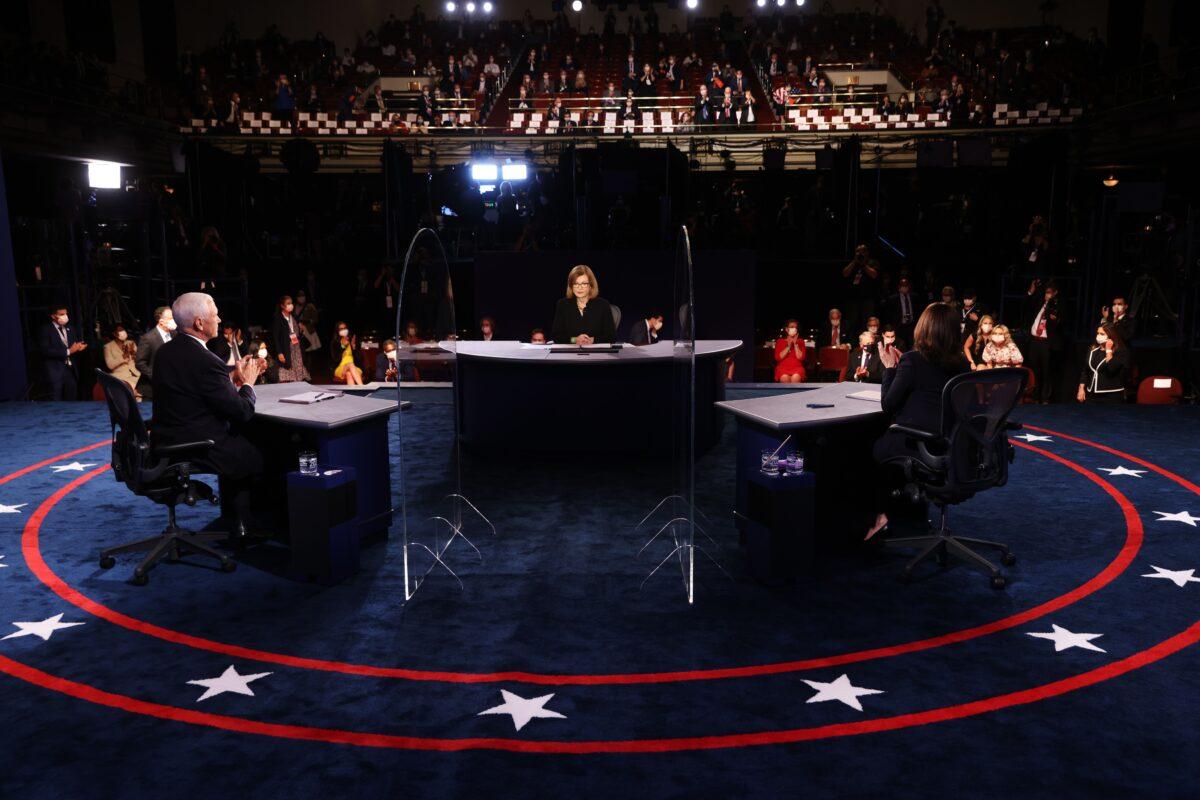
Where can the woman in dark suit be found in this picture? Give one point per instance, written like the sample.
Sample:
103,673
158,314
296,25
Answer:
583,316
285,337
911,393
1102,379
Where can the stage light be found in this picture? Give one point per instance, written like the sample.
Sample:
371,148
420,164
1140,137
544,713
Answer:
470,8
577,5
104,175
514,172
799,2
692,4
1111,181
484,171
781,3
760,3
450,7
487,8
484,188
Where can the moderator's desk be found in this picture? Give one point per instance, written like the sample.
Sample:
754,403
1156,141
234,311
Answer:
836,443
347,431
521,397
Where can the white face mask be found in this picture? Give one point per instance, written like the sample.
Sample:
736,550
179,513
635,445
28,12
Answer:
262,352
1118,310
170,324
793,331
998,339
343,332
122,336
1101,338
62,319
392,355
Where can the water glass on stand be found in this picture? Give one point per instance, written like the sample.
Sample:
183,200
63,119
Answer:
795,464
308,463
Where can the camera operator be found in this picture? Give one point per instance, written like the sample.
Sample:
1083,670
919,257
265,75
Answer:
862,274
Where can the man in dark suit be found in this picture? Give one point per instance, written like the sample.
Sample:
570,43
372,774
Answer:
196,398
1119,318
148,345
388,366
864,365
968,312
1047,342
702,109
835,332
902,311
228,346
57,342
645,331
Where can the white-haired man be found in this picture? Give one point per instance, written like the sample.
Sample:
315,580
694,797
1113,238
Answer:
197,397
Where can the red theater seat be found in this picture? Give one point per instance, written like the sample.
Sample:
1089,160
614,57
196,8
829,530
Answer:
1159,390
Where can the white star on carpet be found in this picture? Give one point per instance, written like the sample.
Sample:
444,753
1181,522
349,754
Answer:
1179,577
12,509
522,710
1182,516
74,466
3,566
841,690
230,681
43,630
1033,437
1064,639
1115,471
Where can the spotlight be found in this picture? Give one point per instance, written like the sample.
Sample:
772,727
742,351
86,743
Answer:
577,5
470,8
450,7
693,3
514,172
781,3
799,2
487,8
760,3
104,175
1111,181
484,171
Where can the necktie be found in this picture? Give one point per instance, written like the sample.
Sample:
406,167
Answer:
906,309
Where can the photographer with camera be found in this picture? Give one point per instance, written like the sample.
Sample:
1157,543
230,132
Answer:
1046,339
862,273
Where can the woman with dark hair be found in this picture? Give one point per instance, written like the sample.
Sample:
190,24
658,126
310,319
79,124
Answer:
911,393
789,355
285,338
1102,379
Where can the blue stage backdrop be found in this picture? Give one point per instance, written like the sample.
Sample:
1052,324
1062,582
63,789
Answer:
519,290
12,354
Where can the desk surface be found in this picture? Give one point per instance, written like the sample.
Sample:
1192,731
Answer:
329,414
517,351
790,411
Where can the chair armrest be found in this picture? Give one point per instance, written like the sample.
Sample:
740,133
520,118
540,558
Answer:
915,433
175,449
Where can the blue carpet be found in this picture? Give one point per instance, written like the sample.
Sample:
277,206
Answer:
558,595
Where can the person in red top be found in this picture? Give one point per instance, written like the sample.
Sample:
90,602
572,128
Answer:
789,355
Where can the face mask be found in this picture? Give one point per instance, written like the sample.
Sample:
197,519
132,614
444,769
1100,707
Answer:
658,326
792,331
391,354
62,319
968,303
873,329
1101,338
288,308
1119,309
889,342
122,336
262,352
171,325
343,332
998,339
986,329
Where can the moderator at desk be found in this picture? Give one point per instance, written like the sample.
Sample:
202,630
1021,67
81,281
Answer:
784,521
521,396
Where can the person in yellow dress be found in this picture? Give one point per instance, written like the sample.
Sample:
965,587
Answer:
347,371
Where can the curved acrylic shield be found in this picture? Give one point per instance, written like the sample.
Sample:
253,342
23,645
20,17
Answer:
429,473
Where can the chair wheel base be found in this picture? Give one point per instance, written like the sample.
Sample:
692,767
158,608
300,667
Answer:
998,582
140,579
107,562
1009,559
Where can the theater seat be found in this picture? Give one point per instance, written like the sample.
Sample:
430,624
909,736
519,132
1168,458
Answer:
1159,390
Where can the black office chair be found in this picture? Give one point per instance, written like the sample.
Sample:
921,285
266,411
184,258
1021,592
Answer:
969,454
155,474
616,315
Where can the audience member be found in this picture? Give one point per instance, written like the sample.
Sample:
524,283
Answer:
147,347
645,331
285,341
864,364
345,370
862,285
835,335
1001,350
1046,339
789,354
537,336
977,340
57,342
1102,379
120,357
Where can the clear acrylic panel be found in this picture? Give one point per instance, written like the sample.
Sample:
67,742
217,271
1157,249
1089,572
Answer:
429,473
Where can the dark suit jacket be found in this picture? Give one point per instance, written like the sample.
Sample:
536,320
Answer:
825,335
148,346
281,339
912,391
1054,327
596,321
639,334
220,347
874,365
50,347
195,399
893,311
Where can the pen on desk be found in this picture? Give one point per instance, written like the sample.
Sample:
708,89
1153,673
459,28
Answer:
820,405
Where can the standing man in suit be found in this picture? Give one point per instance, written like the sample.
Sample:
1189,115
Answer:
196,397
1118,317
645,331
902,310
156,337
57,341
1046,340
864,365
968,312
228,346
702,109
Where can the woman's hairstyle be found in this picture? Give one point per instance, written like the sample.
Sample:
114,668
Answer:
284,300
790,323
1114,335
1002,330
988,318
581,270
937,336
116,329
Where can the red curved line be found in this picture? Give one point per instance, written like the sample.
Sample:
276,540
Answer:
33,556
363,739
12,476
1184,482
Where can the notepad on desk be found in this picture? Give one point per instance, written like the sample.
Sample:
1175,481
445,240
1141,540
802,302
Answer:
873,395
308,398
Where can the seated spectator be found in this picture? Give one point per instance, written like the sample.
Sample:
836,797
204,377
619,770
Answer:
977,340
890,340
313,103
564,85
546,86
789,354
555,112
645,331
491,68
629,110
538,336
610,98
581,83
944,105
1000,351
903,106
387,366
375,101
834,334
523,102
864,365
412,334
487,329
120,357
228,346
345,370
